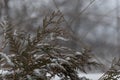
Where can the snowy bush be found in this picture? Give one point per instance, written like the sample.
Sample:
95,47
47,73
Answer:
42,56
113,73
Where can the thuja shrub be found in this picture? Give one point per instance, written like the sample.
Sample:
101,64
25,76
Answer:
41,56
113,73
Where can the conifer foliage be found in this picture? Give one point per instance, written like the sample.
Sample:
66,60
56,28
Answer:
41,55
114,72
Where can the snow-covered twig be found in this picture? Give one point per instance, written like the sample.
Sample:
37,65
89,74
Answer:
7,58
62,38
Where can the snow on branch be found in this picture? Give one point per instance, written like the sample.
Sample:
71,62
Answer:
62,38
7,58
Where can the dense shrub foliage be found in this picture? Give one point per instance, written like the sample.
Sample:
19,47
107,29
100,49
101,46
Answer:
42,55
113,73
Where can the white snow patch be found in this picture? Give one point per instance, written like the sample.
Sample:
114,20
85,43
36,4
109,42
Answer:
42,44
37,72
29,77
15,32
91,76
7,58
51,36
48,74
68,58
78,53
3,72
62,38
56,78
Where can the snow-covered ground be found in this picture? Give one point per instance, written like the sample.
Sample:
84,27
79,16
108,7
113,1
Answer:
91,76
